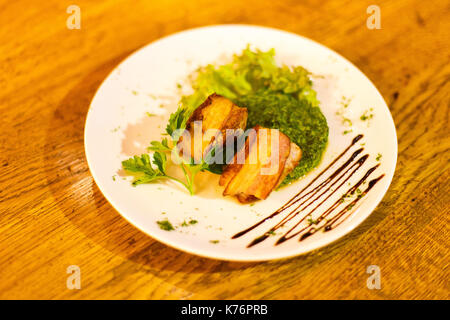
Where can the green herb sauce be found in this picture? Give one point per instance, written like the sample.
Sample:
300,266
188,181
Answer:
303,123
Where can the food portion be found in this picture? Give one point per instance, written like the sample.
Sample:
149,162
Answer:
211,119
251,91
269,156
279,97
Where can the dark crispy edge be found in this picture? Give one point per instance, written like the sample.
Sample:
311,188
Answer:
197,114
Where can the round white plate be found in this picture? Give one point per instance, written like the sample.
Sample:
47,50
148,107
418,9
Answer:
120,124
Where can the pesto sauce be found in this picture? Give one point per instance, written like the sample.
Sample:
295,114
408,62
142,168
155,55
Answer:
304,124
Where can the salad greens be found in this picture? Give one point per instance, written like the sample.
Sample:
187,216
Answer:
249,73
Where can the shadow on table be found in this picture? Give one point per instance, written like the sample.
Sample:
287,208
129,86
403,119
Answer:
83,204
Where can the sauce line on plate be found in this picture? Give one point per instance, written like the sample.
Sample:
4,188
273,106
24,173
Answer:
341,175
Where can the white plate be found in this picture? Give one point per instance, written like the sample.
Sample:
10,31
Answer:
117,127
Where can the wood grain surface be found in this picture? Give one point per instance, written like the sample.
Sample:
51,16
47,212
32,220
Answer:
52,215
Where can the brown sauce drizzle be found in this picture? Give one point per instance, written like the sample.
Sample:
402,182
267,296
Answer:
342,174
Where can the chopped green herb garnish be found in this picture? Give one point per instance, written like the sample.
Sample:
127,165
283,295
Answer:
214,241
366,115
378,158
347,121
345,101
165,225
311,221
191,222
150,114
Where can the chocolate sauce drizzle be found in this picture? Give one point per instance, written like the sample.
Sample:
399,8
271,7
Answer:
304,199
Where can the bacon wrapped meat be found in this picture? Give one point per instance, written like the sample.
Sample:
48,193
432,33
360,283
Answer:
260,166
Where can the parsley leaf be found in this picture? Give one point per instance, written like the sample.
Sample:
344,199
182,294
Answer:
159,146
160,160
177,120
143,169
145,173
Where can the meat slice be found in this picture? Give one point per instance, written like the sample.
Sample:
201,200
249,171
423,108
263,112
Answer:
292,161
212,119
269,156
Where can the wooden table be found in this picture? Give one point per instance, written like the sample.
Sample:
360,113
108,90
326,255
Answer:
52,215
